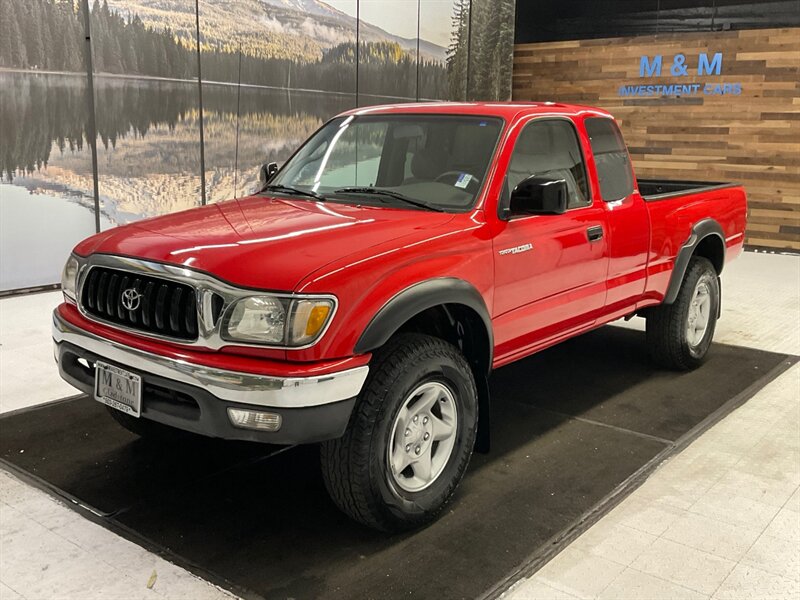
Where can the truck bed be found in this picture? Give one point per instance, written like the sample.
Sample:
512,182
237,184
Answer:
661,189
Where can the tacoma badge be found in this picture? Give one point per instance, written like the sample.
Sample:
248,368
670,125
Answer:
516,250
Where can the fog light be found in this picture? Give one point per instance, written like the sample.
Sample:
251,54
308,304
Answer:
253,419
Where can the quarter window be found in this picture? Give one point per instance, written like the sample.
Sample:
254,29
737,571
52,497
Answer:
549,148
614,172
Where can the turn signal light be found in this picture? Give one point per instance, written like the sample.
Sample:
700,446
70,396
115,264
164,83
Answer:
308,320
317,318
254,419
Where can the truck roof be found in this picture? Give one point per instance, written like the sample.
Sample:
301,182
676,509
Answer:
507,110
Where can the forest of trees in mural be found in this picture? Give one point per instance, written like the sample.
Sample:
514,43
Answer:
458,51
480,54
491,49
30,30
127,46
385,69
480,42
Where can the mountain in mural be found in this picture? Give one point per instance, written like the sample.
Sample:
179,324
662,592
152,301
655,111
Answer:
314,7
294,29
369,32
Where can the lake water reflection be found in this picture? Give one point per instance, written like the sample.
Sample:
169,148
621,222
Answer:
148,154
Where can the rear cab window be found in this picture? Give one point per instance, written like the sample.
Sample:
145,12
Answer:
611,158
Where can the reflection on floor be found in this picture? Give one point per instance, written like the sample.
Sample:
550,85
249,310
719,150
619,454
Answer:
56,551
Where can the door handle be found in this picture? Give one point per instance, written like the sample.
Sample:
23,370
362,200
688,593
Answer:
594,233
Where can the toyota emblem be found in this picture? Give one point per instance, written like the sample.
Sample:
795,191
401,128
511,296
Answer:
131,298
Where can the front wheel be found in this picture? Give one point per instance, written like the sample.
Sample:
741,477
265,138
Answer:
679,334
410,437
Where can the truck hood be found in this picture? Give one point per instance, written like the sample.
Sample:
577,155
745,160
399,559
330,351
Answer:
262,242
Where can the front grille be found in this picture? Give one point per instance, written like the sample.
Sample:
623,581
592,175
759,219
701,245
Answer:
159,306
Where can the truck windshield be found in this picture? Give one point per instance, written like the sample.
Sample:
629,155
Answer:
435,162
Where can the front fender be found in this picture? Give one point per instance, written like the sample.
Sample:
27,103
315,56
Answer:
416,299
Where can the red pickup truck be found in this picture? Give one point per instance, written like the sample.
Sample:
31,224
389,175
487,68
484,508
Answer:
362,298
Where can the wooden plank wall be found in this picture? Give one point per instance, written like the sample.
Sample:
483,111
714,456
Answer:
752,138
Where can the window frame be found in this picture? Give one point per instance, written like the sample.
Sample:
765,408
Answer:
502,205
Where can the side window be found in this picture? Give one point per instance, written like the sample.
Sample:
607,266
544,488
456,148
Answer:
550,148
611,158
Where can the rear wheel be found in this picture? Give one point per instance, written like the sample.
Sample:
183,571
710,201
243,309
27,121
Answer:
680,334
410,438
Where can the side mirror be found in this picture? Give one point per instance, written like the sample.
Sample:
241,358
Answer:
539,196
265,173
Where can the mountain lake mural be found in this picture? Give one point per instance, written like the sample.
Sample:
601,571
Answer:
272,72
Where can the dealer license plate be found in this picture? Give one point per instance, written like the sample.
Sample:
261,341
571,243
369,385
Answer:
118,388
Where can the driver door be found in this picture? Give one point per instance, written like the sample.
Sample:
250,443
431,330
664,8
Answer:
550,270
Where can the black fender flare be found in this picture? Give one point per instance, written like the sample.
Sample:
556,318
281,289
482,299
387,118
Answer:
417,298
700,231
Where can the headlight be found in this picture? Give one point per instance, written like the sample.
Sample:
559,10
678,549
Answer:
69,278
278,321
258,319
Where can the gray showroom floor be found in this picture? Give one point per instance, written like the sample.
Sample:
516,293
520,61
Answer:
721,519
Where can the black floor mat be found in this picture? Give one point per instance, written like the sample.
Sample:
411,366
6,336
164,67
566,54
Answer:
569,425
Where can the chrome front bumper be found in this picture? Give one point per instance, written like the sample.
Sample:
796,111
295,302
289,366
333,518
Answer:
232,386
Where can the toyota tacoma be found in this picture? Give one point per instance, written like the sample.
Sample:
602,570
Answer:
362,296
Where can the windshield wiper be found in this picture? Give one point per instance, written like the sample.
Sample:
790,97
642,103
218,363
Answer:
389,194
285,189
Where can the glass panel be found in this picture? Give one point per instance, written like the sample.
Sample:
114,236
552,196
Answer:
444,39
146,99
491,49
272,74
387,68
46,201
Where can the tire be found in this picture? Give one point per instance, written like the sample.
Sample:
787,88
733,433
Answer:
671,342
410,373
